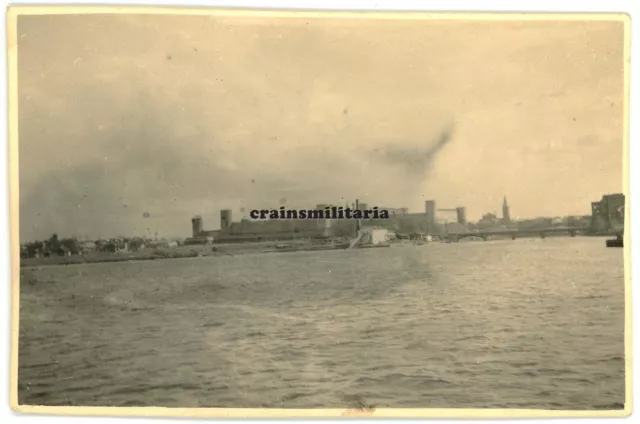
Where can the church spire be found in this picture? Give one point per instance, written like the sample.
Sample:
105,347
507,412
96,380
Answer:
505,211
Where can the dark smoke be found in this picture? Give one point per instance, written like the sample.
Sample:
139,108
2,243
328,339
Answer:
140,170
415,160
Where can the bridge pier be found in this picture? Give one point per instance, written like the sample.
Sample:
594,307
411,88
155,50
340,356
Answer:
572,233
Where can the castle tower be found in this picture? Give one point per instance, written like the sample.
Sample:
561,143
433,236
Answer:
430,212
461,213
506,218
196,226
225,219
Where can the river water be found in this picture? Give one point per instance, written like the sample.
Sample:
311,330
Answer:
528,323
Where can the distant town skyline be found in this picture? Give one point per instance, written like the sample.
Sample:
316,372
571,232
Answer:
130,125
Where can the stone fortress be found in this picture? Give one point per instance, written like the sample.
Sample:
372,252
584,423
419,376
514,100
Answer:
251,230
607,215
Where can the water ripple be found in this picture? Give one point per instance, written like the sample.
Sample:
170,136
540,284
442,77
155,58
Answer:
472,325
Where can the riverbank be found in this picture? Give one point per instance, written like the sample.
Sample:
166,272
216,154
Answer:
230,249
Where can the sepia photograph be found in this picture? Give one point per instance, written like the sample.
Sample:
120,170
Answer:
219,210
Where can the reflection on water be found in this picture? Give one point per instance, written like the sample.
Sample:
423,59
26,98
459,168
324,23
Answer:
501,324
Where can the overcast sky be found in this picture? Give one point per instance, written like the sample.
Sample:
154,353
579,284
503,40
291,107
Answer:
131,124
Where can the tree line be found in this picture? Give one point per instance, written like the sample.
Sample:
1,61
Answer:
55,246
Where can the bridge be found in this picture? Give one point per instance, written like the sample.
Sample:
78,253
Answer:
515,233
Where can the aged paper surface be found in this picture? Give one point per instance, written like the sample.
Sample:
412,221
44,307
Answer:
233,213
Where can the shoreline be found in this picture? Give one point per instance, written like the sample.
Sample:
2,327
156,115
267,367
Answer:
180,252
215,250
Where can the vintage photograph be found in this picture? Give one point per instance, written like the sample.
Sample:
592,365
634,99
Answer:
237,209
